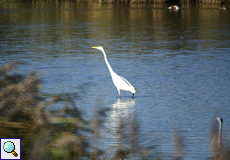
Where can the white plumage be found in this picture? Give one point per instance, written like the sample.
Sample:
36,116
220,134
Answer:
174,7
120,82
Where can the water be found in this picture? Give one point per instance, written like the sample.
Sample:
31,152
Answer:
178,62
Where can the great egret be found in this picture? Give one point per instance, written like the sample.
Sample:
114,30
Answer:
174,7
120,82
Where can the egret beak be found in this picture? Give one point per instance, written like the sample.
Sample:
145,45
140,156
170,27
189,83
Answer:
95,47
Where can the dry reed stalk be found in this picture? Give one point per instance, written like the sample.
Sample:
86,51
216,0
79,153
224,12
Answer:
178,145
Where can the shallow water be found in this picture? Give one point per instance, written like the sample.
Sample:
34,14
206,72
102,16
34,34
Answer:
178,62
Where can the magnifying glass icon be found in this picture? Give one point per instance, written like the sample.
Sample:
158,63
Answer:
9,147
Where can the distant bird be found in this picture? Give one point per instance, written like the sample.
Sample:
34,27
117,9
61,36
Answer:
120,82
220,120
174,7
216,142
223,7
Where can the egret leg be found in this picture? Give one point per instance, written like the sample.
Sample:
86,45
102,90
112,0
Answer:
119,92
133,96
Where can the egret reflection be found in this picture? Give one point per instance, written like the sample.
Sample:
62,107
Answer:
121,123
121,109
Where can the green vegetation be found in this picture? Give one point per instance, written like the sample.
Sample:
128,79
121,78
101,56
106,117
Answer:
55,127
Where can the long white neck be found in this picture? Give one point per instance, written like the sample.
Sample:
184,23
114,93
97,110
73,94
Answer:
106,61
220,127
220,135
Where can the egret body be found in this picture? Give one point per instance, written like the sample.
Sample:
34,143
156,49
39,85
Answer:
120,82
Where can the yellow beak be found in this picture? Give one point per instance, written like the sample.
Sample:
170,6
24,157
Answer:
95,47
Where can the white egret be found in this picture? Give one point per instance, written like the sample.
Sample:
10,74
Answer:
120,82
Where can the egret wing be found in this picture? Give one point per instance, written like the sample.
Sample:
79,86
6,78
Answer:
122,83
127,82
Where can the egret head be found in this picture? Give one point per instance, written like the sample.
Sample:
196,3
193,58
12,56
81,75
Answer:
99,48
